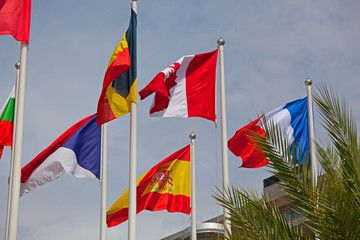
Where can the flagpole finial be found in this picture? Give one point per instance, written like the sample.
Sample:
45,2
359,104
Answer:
221,41
308,82
192,136
17,65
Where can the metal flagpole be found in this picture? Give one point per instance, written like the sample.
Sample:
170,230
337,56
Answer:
132,163
192,137
103,181
18,141
308,83
17,66
225,165
132,174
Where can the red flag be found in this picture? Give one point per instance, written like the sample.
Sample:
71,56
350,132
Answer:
15,18
185,89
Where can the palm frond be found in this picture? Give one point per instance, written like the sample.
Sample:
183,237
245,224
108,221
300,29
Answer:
252,218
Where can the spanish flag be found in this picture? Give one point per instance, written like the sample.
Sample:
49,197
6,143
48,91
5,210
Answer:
165,186
119,86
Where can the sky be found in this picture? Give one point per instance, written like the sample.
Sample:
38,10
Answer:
271,47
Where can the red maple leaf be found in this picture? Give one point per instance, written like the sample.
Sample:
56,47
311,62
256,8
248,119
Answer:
162,102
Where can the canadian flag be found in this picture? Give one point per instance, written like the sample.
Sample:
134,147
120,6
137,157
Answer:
185,89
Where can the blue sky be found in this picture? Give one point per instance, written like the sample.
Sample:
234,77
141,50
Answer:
271,48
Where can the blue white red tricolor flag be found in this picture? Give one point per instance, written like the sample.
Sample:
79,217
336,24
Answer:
292,119
76,152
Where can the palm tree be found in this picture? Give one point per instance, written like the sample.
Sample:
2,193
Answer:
331,209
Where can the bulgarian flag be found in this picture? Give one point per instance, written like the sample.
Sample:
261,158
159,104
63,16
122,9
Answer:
7,121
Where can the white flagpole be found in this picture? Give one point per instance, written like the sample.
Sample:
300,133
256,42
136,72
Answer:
132,175
192,137
308,83
132,163
18,141
103,181
17,66
225,165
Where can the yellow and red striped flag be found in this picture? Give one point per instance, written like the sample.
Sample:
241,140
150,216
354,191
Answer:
164,187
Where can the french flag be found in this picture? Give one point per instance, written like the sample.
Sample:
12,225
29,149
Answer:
76,152
185,89
291,118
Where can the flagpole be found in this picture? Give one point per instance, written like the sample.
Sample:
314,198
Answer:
308,83
225,165
132,163
103,181
132,175
18,141
17,66
192,137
